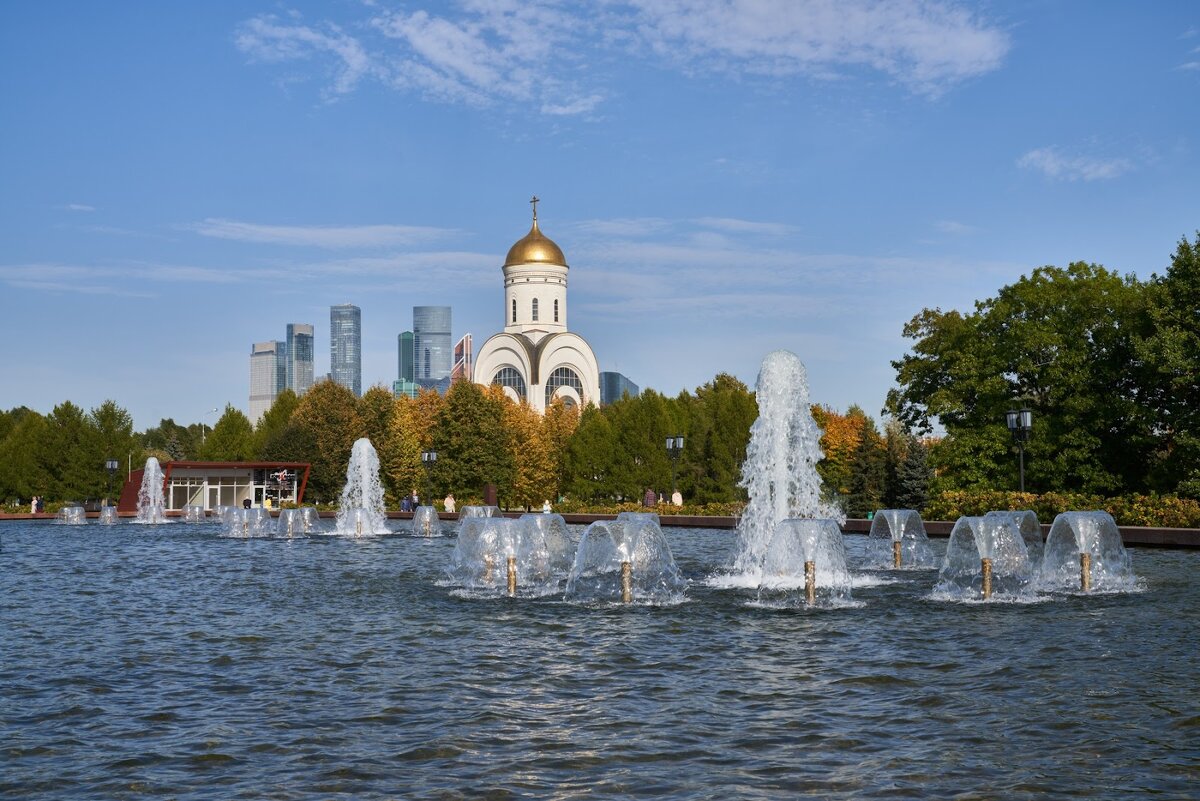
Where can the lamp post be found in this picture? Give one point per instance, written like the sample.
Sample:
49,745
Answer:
1020,424
111,466
674,448
428,458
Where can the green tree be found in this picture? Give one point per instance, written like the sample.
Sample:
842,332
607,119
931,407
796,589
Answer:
913,476
589,456
472,444
274,421
71,455
1061,341
328,418
718,430
868,478
231,440
1171,350
22,471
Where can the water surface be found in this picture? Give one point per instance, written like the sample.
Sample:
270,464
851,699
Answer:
147,662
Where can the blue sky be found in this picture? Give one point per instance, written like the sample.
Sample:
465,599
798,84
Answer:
179,180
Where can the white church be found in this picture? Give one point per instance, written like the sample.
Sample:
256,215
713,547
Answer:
535,358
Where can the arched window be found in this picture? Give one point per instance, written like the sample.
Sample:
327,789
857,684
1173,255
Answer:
563,377
556,310
509,377
514,310
535,310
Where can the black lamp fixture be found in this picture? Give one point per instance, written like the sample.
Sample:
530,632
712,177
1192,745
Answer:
111,466
428,458
1020,425
674,449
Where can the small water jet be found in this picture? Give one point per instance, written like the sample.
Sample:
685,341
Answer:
1084,552
808,555
193,513
300,522
898,541
151,510
986,557
361,509
625,560
478,511
535,556
426,523
1031,531
780,471
108,515
253,522
72,515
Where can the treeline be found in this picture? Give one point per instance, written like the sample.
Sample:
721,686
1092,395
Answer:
598,458
1108,364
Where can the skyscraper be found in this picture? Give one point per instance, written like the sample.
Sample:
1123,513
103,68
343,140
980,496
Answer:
462,360
432,346
299,357
345,346
405,345
268,376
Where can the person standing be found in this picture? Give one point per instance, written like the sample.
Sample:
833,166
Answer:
41,503
33,505
649,498
449,503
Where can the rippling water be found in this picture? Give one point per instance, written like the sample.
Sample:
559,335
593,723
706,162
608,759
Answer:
167,662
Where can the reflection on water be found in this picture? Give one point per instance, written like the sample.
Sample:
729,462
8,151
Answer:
186,665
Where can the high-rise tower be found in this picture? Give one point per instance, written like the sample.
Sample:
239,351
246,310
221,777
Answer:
299,357
432,347
268,376
345,346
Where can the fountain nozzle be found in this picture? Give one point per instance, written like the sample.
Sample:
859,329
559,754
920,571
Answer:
512,576
985,565
1085,571
810,582
626,582
896,548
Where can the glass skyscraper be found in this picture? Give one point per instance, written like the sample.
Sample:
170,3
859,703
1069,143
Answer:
613,386
268,376
299,357
345,346
407,368
432,347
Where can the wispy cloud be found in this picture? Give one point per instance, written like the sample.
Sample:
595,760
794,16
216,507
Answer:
542,53
269,39
79,207
1054,163
925,45
954,227
736,226
328,236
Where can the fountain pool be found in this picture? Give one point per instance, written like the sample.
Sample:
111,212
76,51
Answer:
195,666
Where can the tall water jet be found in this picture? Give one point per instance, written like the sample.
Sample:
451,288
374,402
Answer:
1084,552
150,506
780,471
361,509
807,555
898,541
425,522
626,560
986,557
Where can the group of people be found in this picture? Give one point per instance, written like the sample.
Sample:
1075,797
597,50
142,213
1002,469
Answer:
38,504
650,499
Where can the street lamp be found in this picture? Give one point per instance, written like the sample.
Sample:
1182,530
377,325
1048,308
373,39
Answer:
111,466
428,458
1020,424
674,448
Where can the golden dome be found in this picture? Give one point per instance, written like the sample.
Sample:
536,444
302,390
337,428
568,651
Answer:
535,248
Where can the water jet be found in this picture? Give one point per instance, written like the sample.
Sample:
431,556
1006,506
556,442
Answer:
1084,552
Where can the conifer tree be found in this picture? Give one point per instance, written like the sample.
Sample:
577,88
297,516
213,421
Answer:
914,476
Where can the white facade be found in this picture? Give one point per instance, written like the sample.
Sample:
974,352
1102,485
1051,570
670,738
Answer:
535,357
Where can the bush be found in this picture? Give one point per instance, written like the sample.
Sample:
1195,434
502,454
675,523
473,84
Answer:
1168,511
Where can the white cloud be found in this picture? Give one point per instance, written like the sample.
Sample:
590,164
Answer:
737,226
1053,163
1190,65
79,207
542,54
348,236
927,45
267,39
